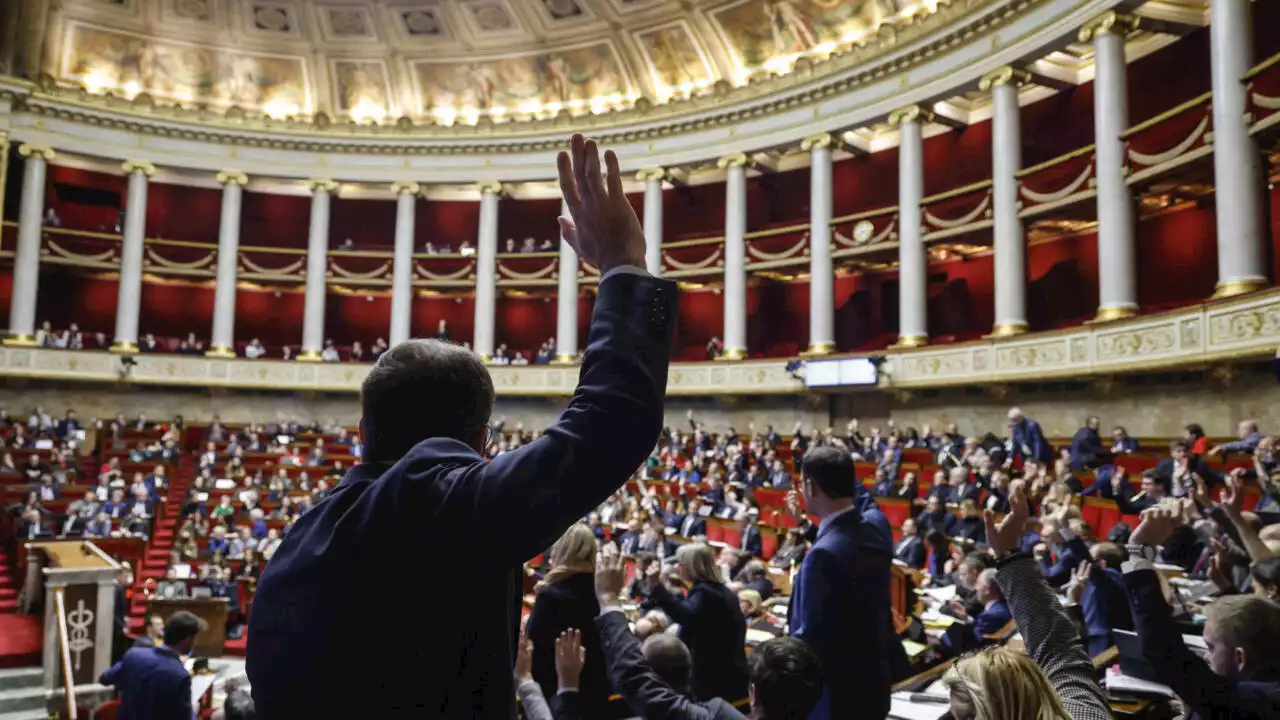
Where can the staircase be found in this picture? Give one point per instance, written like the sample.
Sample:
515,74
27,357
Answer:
21,636
9,583
156,560
21,694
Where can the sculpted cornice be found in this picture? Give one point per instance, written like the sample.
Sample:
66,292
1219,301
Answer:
916,62
1243,329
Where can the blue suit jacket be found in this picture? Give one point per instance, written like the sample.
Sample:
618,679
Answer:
839,607
1104,606
348,594
1059,572
152,683
1028,435
992,620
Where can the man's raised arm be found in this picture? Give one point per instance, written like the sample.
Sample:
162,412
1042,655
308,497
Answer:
531,495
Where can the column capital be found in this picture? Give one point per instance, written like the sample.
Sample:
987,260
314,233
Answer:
1111,21
652,173
909,114
490,187
820,141
405,187
232,177
28,150
321,184
1007,75
138,166
734,160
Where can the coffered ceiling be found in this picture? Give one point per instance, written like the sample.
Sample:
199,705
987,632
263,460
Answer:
453,61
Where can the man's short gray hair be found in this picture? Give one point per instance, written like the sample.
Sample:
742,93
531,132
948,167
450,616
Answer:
422,389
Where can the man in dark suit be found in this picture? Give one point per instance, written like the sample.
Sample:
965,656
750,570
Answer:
153,683
750,542
1087,450
910,549
692,524
840,601
936,516
1242,676
786,676
423,490
1070,549
995,612
1104,605
1027,439
1181,469
1154,489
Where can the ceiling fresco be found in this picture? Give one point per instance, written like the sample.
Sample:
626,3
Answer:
449,61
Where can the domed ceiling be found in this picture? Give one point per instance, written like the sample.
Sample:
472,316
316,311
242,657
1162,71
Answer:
452,61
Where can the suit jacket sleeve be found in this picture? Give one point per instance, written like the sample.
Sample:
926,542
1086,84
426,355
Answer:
816,592
1059,573
1052,640
532,701
918,555
680,610
646,693
1208,694
523,500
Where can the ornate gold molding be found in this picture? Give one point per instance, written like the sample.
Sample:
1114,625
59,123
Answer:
405,187
1238,287
909,341
1004,76
321,185
1109,22
138,166
652,173
233,177
1003,330
490,187
30,150
734,160
1111,314
910,114
821,141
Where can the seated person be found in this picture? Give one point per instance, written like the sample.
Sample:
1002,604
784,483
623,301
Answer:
755,576
936,517
970,525
1058,539
910,550
995,613
172,586
1154,489
1121,443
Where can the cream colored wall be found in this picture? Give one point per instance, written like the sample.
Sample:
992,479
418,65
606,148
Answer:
1156,406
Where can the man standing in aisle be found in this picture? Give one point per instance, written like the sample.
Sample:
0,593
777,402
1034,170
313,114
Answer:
840,601
345,596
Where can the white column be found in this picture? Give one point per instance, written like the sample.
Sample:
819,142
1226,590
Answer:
735,255
129,295
1006,161
1117,268
913,289
652,179
1237,161
402,269
567,301
487,269
26,260
222,342
822,323
317,268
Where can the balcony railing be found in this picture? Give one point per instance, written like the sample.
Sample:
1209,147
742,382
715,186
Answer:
1171,140
1263,82
1057,183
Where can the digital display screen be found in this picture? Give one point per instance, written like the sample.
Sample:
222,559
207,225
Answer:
839,373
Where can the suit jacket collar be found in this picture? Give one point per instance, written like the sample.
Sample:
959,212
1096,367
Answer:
847,518
446,451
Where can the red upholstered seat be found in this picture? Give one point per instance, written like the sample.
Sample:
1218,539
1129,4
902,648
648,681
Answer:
715,532
768,544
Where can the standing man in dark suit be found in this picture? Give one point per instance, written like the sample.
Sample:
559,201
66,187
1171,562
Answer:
750,541
424,490
1027,439
1087,450
152,681
840,601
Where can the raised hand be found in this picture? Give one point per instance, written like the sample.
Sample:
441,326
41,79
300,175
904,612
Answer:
569,657
610,579
602,226
1156,526
1233,493
1007,535
524,658
792,504
1079,579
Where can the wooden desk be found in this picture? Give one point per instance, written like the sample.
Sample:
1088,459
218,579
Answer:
213,611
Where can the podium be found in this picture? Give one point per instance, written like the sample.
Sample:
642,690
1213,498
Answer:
213,611
79,579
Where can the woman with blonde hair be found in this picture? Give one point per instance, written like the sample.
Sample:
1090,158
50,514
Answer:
1054,679
711,624
566,599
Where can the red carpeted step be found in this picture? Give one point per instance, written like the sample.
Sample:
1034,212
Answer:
9,606
7,593
137,624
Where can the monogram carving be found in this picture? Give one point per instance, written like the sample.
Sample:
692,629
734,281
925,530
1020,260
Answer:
1137,343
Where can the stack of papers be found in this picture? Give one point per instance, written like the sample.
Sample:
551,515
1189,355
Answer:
915,706
1119,682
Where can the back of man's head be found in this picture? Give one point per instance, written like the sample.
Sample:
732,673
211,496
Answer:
180,627
239,706
831,470
786,679
423,389
670,659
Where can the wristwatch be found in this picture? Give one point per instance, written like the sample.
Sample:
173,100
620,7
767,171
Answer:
1143,551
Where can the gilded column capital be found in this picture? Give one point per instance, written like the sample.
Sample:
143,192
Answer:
733,160
138,166
490,187
405,187
652,173
909,114
233,177
1007,75
321,185
1111,21
29,150
819,141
